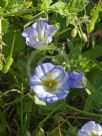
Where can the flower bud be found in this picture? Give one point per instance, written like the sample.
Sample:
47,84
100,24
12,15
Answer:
74,33
84,36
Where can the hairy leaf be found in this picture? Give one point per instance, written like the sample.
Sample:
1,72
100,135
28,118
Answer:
14,5
64,7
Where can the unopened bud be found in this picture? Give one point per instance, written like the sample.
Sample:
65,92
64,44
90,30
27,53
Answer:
74,33
90,27
84,36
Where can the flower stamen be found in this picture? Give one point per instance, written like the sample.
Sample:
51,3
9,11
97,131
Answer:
93,134
50,84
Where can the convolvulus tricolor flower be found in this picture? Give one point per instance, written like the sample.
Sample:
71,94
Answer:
90,129
50,82
39,35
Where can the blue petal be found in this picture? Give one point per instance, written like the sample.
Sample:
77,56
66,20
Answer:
51,98
35,25
34,80
48,70
76,75
77,80
30,35
49,39
66,87
50,30
30,42
80,133
43,69
39,91
48,100
90,127
29,32
40,29
54,99
61,93
35,44
39,34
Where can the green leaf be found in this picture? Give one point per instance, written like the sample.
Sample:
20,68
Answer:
95,99
15,5
46,4
2,5
98,83
27,105
94,52
64,7
91,25
50,107
6,2
77,5
5,25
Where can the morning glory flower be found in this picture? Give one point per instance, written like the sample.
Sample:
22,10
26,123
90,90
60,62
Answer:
39,34
90,129
50,82
77,80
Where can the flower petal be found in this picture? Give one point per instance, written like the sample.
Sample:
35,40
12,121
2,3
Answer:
43,69
58,73
51,30
39,34
56,96
49,71
40,29
77,80
90,127
39,91
80,133
34,80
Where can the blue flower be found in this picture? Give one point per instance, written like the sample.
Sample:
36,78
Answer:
39,34
90,129
50,83
77,80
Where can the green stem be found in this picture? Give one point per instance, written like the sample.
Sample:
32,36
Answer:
17,13
34,57
11,52
22,93
34,18
84,112
50,114
0,29
13,74
0,33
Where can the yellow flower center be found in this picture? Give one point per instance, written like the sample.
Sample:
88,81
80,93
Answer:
93,134
42,39
50,85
